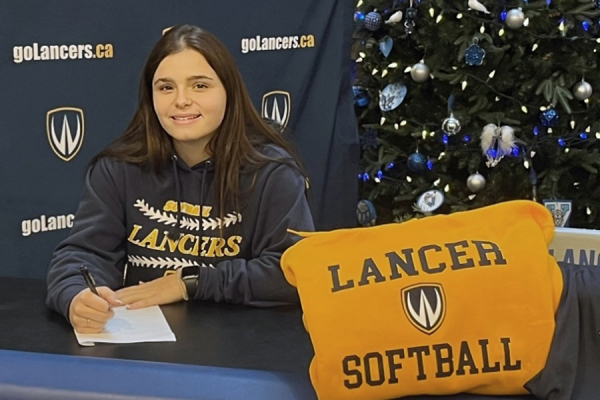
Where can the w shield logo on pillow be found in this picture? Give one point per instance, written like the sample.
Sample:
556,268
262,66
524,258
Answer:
441,305
424,306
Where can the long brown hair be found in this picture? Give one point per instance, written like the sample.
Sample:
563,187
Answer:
234,144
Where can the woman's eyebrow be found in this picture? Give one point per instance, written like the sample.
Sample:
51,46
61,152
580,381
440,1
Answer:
191,78
160,80
196,77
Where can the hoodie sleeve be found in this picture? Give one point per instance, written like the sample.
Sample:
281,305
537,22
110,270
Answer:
259,281
96,240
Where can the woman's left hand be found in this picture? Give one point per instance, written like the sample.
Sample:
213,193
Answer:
164,290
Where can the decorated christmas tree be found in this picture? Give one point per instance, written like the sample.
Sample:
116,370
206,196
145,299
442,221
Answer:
463,104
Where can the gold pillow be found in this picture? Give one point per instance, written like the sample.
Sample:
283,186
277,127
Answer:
440,305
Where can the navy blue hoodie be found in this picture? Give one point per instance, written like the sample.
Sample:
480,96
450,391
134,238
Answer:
122,225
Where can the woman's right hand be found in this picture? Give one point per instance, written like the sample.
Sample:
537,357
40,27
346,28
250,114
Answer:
89,313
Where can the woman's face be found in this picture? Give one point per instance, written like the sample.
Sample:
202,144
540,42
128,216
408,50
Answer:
189,100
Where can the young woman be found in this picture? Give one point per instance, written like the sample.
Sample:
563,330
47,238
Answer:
193,201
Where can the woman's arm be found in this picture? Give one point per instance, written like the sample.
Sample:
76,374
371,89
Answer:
96,240
259,281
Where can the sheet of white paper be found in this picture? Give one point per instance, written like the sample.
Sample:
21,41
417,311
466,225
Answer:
131,326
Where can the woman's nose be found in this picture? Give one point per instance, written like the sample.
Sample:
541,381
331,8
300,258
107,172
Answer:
182,100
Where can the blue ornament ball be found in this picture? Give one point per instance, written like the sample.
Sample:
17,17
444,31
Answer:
550,117
361,97
417,162
359,17
373,21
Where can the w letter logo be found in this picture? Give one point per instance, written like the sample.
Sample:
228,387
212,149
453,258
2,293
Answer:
65,128
424,306
276,106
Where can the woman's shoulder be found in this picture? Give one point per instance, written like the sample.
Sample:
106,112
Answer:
116,168
109,164
271,150
282,166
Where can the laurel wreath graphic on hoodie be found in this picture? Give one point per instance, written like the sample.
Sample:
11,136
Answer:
164,262
186,222
191,224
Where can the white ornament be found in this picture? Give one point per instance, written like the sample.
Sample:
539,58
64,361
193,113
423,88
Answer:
395,18
497,142
429,201
451,125
475,5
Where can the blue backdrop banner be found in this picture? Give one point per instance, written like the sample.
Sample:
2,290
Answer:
69,75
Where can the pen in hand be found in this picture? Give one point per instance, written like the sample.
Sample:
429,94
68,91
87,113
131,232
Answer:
89,279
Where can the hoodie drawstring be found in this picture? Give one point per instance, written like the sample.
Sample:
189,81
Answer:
202,186
174,231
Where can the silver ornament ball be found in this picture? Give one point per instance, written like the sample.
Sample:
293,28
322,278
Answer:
515,18
451,126
476,183
419,72
582,90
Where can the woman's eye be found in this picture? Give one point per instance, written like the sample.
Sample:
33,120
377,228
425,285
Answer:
165,87
200,86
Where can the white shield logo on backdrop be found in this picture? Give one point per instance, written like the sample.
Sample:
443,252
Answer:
276,105
65,128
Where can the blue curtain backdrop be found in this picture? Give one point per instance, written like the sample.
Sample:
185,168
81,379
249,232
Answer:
69,75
